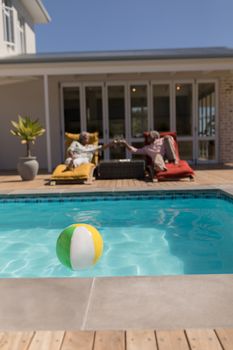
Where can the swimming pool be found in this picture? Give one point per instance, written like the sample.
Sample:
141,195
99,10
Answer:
161,233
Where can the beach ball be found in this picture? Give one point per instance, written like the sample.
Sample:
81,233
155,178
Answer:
79,246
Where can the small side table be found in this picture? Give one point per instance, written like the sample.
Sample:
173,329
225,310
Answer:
121,169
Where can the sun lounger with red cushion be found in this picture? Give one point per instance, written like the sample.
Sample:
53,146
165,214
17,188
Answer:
174,171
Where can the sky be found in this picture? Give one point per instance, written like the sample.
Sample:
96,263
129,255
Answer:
103,25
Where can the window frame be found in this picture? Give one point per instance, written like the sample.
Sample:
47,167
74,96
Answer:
8,23
21,34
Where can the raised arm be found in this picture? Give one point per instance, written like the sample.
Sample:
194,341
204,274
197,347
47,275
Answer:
129,147
107,145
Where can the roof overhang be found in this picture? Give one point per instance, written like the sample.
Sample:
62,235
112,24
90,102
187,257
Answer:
37,11
155,61
116,67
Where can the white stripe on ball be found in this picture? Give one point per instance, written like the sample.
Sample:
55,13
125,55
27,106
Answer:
82,250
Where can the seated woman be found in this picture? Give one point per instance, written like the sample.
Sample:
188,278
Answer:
81,152
158,149
82,159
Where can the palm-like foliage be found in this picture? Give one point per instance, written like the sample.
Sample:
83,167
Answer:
28,130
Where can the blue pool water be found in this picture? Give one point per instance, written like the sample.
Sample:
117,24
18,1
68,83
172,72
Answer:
143,234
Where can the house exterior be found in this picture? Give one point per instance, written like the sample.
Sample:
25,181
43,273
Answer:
17,22
120,94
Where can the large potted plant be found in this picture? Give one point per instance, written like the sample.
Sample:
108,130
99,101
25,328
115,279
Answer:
27,130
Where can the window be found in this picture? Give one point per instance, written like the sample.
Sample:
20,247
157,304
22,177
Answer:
21,31
184,106
116,111
94,109
206,109
139,110
8,22
71,98
161,107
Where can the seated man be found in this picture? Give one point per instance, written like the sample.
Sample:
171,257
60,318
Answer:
158,149
81,152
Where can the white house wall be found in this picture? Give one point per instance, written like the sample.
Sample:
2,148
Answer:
55,121
30,38
6,50
25,98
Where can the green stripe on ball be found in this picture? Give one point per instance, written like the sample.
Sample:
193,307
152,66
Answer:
63,245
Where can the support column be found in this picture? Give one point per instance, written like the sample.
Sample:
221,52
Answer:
47,123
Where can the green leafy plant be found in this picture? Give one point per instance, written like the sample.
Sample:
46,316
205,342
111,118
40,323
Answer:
27,130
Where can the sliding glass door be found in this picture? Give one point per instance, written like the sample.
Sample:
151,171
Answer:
206,122
126,109
115,118
138,110
184,118
94,109
71,109
161,107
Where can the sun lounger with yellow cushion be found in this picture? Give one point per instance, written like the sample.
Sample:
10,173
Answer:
82,173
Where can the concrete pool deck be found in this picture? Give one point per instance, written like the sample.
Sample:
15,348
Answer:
162,302
166,302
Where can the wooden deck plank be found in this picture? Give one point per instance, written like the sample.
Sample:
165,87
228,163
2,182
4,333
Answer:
15,340
109,340
81,340
44,340
225,337
203,339
141,339
197,339
170,340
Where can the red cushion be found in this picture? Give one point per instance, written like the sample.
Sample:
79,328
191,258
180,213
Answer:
180,170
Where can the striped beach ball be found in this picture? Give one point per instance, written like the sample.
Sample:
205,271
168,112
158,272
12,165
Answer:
79,246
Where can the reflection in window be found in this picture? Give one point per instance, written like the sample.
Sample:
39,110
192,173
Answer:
161,107
139,110
116,111
184,109
206,109
206,150
186,150
94,109
71,100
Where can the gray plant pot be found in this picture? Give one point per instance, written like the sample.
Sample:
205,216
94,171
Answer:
27,168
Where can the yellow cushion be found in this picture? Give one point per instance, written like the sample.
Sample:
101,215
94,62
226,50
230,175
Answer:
82,172
94,139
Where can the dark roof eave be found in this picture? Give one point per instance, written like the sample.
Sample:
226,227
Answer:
137,55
